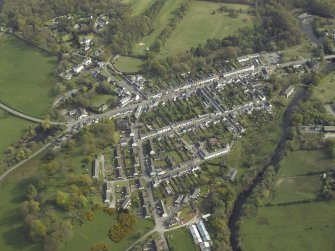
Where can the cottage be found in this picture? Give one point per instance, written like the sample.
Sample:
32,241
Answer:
122,124
289,91
162,207
195,193
77,69
126,203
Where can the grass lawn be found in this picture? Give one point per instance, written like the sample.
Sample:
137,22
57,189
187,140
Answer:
297,52
96,231
138,6
15,126
128,64
200,23
325,92
26,76
300,162
160,23
296,227
180,239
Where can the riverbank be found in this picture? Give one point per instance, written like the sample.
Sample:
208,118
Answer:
276,157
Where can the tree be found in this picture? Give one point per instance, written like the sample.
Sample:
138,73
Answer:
45,124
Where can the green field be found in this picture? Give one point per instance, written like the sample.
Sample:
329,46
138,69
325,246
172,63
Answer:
96,231
160,23
307,226
200,24
181,240
11,130
26,76
138,6
128,64
325,92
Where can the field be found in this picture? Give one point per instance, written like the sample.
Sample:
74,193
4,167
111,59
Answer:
138,6
301,162
325,92
128,64
307,226
180,239
297,227
26,76
96,231
200,24
15,126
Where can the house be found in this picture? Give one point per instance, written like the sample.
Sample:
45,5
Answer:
81,113
289,91
205,246
124,142
155,182
124,101
265,74
329,129
145,212
126,203
139,184
108,192
179,199
231,174
162,207
87,61
141,197
151,167
195,234
125,191
99,167
186,199
102,108
122,124
203,231
77,69
195,193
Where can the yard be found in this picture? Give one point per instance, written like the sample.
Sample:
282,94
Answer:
15,126
204,21
181,239
128,64
26,76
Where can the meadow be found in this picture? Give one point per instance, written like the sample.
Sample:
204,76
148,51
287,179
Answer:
26,76
11,130
298,226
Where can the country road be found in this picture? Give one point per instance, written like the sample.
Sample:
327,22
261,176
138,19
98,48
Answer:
24,161
26,116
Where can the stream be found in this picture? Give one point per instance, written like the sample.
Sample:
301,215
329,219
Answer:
276,157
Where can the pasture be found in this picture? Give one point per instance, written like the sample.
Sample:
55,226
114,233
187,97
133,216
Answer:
204,20
26,76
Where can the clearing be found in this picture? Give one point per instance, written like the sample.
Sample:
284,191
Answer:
204,20
128,64
26,76
138,6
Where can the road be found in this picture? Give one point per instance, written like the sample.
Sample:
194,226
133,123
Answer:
26,116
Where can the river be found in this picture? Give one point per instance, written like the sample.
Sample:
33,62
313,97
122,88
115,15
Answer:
307,29
276,157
